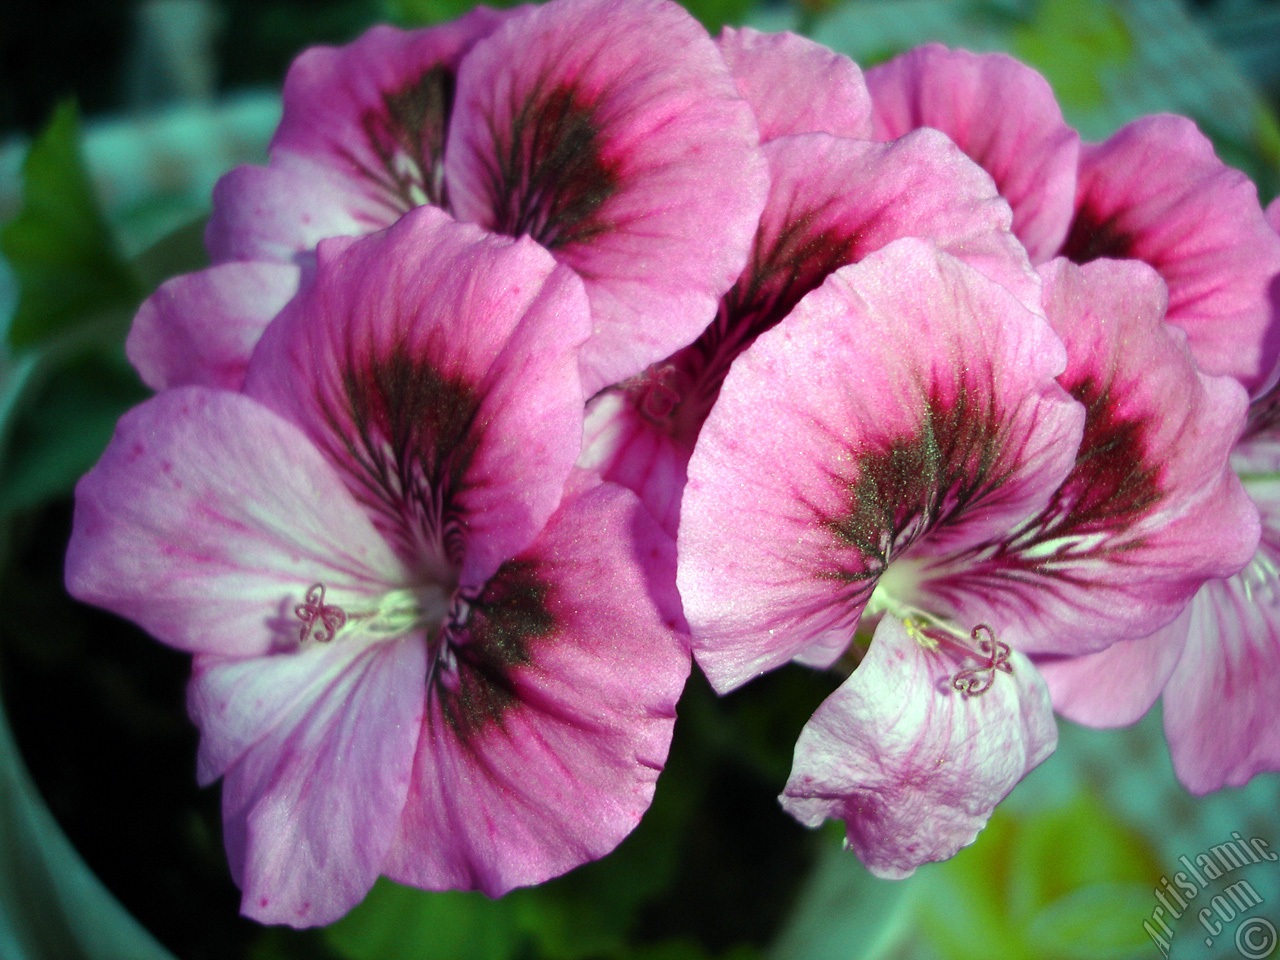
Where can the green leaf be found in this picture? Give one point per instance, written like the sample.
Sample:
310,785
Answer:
423,13
1068,41
715,14
1102,921
59,245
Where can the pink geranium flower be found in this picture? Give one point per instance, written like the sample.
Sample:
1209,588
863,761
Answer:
1218,666
1157,192
610,131
410,659
935,461
832,201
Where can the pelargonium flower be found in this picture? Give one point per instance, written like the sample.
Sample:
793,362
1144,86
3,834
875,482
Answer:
409,659
832,201
932,458
1216,667
1157,192
1001,113
610,131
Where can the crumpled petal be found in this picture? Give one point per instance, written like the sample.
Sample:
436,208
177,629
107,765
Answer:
313,802
449,399
1157,192
911,765
1002,114
906,408
545,751
208,518
611,132
1220,704
795,85
1151,509
361,141
200,328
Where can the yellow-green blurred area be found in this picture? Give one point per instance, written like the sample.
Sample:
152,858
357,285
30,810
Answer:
108,849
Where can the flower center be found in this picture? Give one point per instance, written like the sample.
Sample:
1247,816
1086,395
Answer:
395,613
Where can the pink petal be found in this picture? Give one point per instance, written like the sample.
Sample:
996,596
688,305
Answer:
1273,214
611,132
199,329
360,142
906,406
542,751
312,803
1156,192
1151,509
279,213
1002,114
1220,706
795,85
449,399
832,202
912,766
1115,687
208,518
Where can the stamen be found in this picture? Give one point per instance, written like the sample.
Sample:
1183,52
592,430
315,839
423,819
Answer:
975,681
331,617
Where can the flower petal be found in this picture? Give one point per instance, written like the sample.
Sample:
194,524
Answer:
911,765
1220,707
832,201
1002,114
1151,509
909,406
542,751
795,85
361,141
207,519
448,399
611,132
1157,192
313,803
200,328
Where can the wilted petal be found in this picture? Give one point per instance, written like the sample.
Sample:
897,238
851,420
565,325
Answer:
907,407
207,519
913,766
541,750
1157,192
1002,114
449,399
1151,509
795,85
611,132
1220,706
312,804
200,328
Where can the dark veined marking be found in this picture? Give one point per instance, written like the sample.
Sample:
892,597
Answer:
408,438
487,641
314,610
1113,481
1093,236
549,178
906,486
782,270
406,134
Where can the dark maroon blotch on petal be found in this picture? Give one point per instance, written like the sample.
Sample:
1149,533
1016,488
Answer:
407,136
550,179
1092,237
509,616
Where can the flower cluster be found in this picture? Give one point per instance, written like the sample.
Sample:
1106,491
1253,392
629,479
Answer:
555,345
